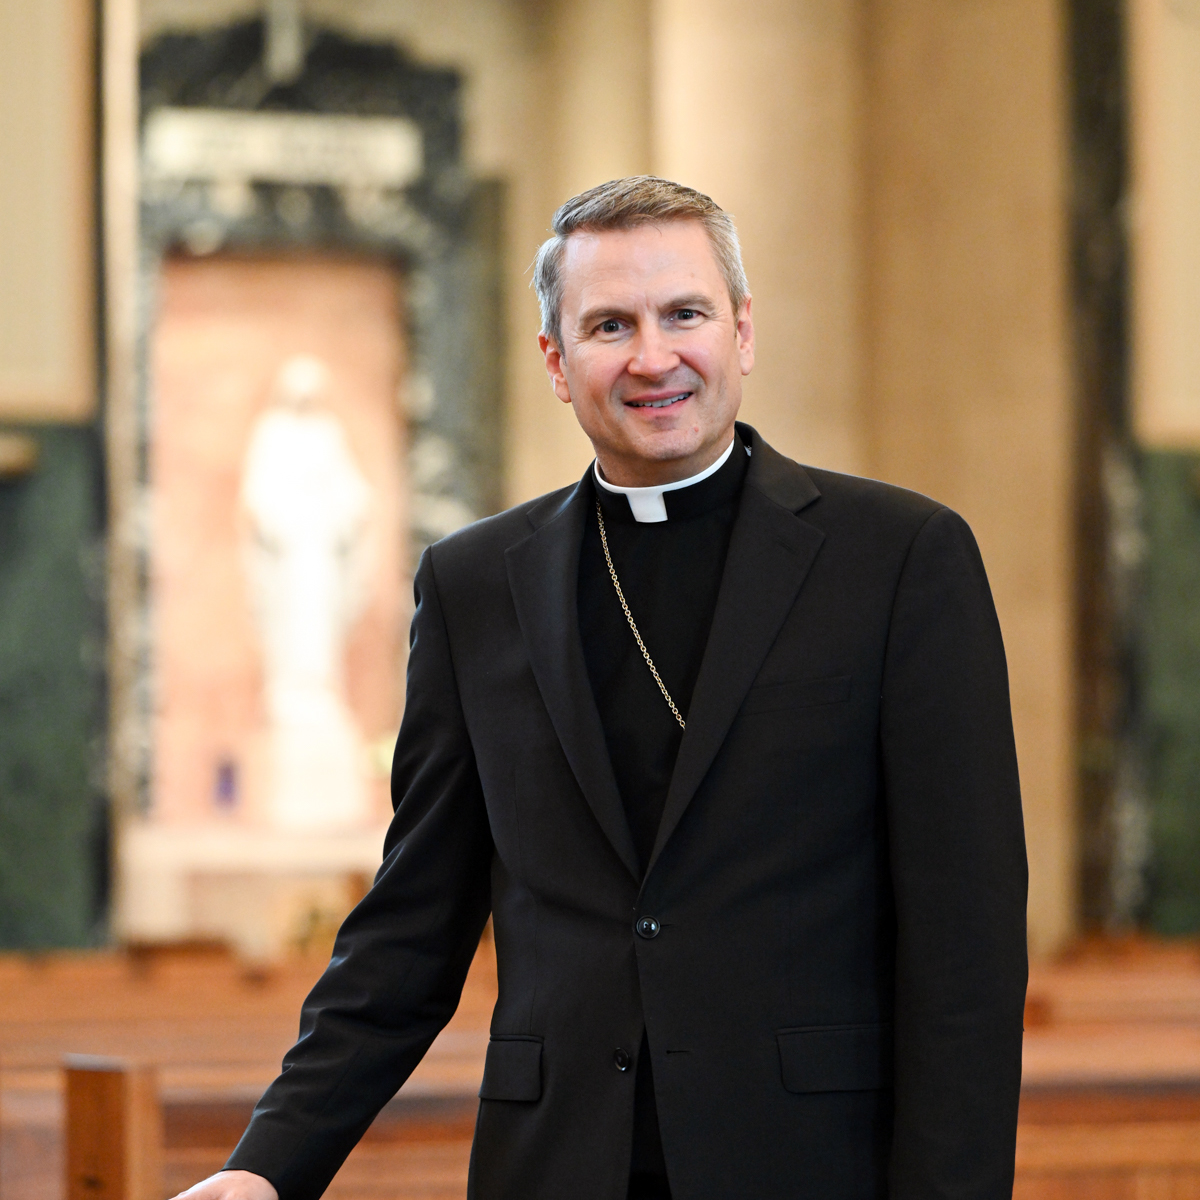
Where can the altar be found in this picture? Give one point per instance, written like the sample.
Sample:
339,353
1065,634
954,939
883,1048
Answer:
263,892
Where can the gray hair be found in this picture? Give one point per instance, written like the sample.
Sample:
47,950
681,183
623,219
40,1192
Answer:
625,204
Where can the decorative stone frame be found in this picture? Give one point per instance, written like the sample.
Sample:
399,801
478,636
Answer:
443,231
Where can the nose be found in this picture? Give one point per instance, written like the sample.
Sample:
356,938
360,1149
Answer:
653,355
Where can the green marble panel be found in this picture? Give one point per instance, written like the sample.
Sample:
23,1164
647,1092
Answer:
53,823
1170,700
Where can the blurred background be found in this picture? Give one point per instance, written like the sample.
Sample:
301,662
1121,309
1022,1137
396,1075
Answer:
261,256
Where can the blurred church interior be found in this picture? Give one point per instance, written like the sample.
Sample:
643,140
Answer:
256,255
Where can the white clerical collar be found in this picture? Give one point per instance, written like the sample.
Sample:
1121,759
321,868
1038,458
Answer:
647,503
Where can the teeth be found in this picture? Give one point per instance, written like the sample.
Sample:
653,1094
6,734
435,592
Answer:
662,403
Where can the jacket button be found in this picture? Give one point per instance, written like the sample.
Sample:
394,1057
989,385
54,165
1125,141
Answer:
647,927
621,1060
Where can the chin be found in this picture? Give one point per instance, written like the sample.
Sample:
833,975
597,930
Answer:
669,445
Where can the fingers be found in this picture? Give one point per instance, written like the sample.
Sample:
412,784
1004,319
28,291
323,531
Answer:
230,1185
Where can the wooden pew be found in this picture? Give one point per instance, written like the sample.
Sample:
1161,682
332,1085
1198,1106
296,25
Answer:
114,1133
123,1143
1110,1107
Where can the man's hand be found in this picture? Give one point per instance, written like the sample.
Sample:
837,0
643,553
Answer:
231,1185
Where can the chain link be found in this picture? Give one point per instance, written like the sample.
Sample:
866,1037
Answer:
662,687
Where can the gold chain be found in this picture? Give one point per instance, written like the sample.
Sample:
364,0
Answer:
662,687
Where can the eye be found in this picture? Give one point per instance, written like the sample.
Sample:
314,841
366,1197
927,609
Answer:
610,326
687,314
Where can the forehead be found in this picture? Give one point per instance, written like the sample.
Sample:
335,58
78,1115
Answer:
644,261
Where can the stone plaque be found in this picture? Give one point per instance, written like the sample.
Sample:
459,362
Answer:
282,147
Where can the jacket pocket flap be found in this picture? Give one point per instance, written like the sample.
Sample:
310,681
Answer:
797,693
512,1069
836,1058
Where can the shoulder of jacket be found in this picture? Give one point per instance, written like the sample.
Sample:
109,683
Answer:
490,536
865,496
821,495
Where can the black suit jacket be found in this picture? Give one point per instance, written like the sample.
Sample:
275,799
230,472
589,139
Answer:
834,986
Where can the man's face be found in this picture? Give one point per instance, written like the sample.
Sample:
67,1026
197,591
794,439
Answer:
653,355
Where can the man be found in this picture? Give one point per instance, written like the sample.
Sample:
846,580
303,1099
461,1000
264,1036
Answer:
723,744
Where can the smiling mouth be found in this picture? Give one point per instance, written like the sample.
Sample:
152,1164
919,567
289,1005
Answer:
663,403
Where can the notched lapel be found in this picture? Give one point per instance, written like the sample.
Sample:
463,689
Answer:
771,551
543,574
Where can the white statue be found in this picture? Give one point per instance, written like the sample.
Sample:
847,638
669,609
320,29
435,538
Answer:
308,508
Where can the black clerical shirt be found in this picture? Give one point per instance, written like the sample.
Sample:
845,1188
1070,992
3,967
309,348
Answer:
670,572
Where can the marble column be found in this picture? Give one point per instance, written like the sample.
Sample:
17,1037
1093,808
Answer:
761,107
594,125
1164,76
970,391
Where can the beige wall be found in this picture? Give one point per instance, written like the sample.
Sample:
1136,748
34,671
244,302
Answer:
47,297
969,393
1165,102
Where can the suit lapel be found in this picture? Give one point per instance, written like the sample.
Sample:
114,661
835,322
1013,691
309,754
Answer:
543,574
770,553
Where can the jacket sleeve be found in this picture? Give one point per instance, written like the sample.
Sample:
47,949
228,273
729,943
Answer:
959,874
401,957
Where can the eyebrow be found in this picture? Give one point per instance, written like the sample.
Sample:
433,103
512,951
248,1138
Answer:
595,315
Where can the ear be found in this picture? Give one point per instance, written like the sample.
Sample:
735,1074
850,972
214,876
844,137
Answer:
555,368
745,337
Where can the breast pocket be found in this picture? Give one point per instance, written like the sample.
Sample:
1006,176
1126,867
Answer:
797,693
836,1058
512,1069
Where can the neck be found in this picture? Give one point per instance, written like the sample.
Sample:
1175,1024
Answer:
638,473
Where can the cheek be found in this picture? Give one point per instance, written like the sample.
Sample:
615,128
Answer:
591,378
715,365
713,351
